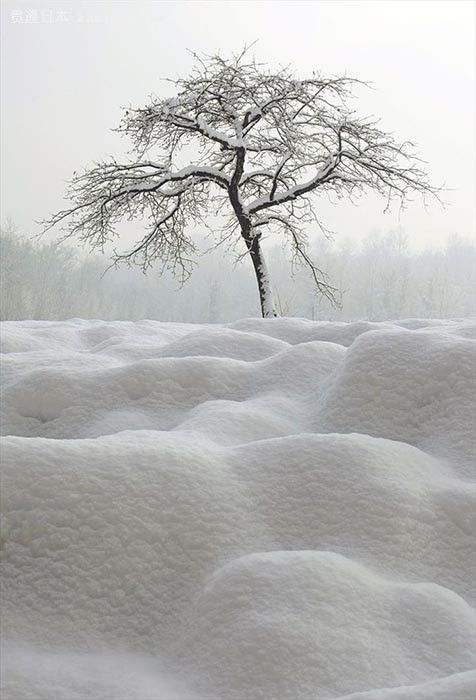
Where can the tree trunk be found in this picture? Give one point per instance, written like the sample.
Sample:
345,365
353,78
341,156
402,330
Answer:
259,265
252,239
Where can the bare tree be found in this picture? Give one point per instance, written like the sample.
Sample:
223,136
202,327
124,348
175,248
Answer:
241,140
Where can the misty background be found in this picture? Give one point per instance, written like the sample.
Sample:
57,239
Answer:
69,68
380,278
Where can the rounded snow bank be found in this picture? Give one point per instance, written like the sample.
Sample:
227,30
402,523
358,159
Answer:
319,620
409,386
272,509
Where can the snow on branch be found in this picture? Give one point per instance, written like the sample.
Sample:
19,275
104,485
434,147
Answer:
238,136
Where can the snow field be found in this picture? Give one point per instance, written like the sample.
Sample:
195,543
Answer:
273,509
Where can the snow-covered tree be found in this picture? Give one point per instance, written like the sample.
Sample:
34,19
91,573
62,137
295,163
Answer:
240,140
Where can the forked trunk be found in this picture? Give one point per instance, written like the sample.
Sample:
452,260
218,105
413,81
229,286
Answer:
252,239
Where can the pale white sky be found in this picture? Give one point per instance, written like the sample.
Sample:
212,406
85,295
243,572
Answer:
67,68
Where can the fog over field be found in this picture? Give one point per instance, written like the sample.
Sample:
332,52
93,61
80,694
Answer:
379,278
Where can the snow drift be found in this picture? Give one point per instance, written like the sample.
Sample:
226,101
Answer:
273,509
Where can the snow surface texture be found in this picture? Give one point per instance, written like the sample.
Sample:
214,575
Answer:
276,509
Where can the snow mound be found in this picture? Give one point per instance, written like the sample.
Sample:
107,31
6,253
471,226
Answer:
271,509
408,386
283,614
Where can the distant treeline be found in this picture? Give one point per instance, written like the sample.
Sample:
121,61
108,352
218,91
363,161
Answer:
379,279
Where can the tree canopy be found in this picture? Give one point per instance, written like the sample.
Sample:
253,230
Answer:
250,144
